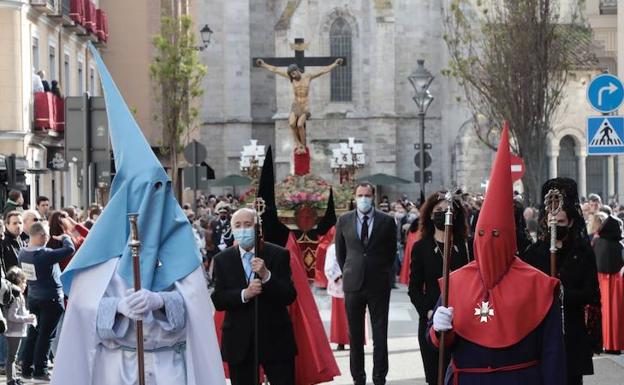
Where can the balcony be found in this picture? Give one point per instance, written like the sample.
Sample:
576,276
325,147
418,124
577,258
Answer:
49,114
49,7
608,7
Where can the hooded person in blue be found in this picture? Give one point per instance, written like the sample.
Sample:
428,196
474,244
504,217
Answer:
97,343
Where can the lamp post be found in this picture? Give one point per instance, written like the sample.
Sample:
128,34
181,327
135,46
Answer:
205,34
421,79
347,159
252,160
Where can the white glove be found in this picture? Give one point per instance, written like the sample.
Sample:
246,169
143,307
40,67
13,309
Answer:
123,307
443,319
144,301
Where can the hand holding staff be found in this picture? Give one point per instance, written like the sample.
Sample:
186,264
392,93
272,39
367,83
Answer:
260,207
448,246
135,244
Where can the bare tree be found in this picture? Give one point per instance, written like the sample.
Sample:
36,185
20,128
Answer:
512,58
176,74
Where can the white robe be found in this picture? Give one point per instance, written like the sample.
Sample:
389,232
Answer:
84,358
332,271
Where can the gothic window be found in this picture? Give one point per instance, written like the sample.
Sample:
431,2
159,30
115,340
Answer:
567,162
340,45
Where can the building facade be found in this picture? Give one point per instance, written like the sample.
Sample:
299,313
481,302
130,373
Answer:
42,35
371,99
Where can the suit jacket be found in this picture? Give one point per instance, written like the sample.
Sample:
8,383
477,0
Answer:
367,266
276,338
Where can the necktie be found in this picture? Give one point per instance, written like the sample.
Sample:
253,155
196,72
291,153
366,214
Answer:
364,234
247,264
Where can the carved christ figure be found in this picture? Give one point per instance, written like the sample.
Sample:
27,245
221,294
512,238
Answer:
299,112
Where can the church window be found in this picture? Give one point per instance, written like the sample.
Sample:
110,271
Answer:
340,45
567,162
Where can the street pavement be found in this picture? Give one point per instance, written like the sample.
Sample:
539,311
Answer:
405,362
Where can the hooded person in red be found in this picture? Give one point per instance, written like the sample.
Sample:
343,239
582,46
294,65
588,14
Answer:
503,321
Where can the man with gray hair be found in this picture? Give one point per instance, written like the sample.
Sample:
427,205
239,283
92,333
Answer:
242,274
45,296
28,218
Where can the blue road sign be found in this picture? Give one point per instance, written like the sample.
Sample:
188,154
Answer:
605,135
605,93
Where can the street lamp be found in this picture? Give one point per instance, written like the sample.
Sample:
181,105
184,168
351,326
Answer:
347,159
206,34
252,160
421,79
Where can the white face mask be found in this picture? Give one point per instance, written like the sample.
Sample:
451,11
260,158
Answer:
364,204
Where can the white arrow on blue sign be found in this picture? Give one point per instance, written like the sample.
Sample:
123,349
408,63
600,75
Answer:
605,93
605,135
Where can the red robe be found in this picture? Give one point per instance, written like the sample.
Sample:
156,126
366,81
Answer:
315,362
412,237
612,299
320,280
339,329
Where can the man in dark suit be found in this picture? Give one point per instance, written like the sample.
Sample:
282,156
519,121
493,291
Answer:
240,278
366,248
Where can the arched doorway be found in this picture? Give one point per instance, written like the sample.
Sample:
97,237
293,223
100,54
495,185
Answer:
567,163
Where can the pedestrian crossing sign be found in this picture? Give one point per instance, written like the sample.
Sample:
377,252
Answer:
605,135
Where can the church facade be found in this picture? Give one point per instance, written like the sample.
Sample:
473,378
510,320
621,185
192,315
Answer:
369,99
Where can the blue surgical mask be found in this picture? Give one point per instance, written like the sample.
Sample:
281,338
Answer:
364,204
245,237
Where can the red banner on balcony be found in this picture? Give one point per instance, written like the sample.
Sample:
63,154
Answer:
44,110
59,117
90,16
76,11
102,25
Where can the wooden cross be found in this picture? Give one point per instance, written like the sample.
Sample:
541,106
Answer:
300,59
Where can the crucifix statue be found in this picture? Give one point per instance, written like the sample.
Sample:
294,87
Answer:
295,72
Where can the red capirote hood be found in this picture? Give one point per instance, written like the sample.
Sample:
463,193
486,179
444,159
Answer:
495,233
498,298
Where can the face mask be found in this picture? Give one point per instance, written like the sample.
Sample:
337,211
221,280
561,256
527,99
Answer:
411,217
439,218
399,215
364,204
245,237
562,232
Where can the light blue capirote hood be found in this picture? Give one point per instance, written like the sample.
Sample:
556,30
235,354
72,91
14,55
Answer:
168,250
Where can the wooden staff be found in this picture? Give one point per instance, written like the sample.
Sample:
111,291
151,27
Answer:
260,206
135,244
448,246
554,203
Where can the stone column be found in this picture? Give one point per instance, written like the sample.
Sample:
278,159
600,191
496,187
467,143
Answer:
552,166
582,173
610,177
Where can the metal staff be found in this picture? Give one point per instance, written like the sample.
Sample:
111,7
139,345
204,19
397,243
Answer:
448,246
260,206
554,204
135,244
